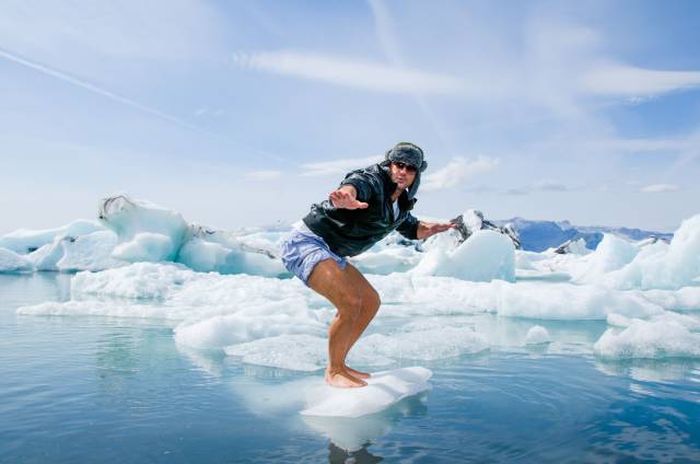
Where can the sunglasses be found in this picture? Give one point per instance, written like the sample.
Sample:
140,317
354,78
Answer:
407,167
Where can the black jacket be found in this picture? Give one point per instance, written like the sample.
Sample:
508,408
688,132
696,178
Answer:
350,232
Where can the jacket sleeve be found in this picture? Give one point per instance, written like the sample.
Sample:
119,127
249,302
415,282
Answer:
365,183
409,227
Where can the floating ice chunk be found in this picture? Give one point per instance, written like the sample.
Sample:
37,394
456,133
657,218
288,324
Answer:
684,299
26,241
96,308
406,295
525,259
383,390
310,352
387,260
564,301
138,280
250,323
128,218
576,247
649,339
205,256
178,287
13,262
612,253
423,345
486,256
145,246
91,252
687,321
47,257
537,335
276,400
294,352
661,266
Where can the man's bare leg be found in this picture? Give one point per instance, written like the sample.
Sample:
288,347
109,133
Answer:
342,288
370,306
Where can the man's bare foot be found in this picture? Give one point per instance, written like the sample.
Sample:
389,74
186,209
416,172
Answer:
343,379
358,374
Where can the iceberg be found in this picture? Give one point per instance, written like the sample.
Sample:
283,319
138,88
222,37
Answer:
24,241
485,256
227,293
662,266
13,262
658,339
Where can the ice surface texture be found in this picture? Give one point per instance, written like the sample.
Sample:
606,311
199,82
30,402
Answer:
383,390
180,276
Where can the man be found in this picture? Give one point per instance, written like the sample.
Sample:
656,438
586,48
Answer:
369,204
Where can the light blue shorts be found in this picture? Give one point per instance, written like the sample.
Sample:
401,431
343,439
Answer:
302,251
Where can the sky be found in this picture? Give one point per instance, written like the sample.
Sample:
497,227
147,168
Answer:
244,113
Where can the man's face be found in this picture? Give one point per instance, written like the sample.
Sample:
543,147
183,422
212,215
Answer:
402,174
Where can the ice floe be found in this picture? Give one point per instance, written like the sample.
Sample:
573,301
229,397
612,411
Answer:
228,292
656,339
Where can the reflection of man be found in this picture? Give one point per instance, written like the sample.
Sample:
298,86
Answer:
368,205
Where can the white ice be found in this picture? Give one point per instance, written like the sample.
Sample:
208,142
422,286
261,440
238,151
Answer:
486,256
656,339
383,390
537,335
13,262
223,291
24,241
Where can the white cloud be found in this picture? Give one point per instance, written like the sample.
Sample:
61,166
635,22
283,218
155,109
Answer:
335,167
457,171
350,72
264,175
617,79
660,188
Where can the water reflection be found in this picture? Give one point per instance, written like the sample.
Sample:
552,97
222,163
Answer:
338,455
350,437
650,370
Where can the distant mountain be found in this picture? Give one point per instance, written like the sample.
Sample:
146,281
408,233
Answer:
541,235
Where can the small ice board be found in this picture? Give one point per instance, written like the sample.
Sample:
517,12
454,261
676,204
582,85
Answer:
383,390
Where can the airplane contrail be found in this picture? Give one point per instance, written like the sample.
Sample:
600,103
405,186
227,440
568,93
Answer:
93,88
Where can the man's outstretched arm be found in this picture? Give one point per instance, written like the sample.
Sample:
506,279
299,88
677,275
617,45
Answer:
346,198
427,229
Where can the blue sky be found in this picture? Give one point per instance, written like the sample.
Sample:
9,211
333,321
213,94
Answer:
243,113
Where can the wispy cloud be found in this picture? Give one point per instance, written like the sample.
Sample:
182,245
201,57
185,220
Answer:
335,167
660,188
264,175
630,81
86,33
639,145
456,172
48,71
541,186
350,72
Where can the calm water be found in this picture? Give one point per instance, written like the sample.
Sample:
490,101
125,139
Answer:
93,389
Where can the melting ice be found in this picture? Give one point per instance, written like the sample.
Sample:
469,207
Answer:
227,291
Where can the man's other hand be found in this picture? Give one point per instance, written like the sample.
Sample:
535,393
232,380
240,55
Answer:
427,229
346,198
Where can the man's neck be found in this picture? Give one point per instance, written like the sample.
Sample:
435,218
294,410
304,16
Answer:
397,193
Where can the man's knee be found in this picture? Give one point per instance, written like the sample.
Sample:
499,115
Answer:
372,301
352,306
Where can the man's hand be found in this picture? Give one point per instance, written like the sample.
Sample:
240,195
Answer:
427,229
346,198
